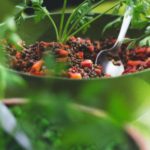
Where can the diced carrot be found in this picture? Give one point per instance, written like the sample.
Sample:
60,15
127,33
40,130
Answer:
62,52
80,55
140,50
98,71
148,50
18,55
135,63
91,48
74,75
45,44
87,63
37,66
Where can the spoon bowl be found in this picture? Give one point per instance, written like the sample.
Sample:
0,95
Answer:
111,66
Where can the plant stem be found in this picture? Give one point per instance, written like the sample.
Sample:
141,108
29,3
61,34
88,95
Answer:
78,20
62,18
51,20
82,27
143,36
70,18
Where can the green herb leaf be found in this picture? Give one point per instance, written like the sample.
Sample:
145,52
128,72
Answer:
39,15
147,31
112,24
40,2
141,9
132,44
145,41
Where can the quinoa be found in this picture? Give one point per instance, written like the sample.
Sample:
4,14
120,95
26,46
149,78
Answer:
78,57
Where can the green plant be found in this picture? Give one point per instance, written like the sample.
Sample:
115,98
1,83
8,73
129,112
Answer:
143,40
79,19
140,20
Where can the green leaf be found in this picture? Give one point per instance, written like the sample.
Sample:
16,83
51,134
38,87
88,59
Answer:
117,9
83,9
39,15
112,24
40,2
132,44
145,41
82,14
141,9
15,40
10,23
8,32
127,40
6,7
147,31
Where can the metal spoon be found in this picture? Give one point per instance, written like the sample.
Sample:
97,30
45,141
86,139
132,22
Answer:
103,58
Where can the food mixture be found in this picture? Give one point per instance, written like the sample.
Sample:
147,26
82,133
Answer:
75,59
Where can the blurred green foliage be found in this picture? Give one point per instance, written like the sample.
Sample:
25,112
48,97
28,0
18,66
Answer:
57,124
7,7
60,121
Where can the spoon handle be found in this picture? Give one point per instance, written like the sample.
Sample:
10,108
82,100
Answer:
125,25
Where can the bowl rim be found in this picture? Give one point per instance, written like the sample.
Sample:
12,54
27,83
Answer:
68,79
